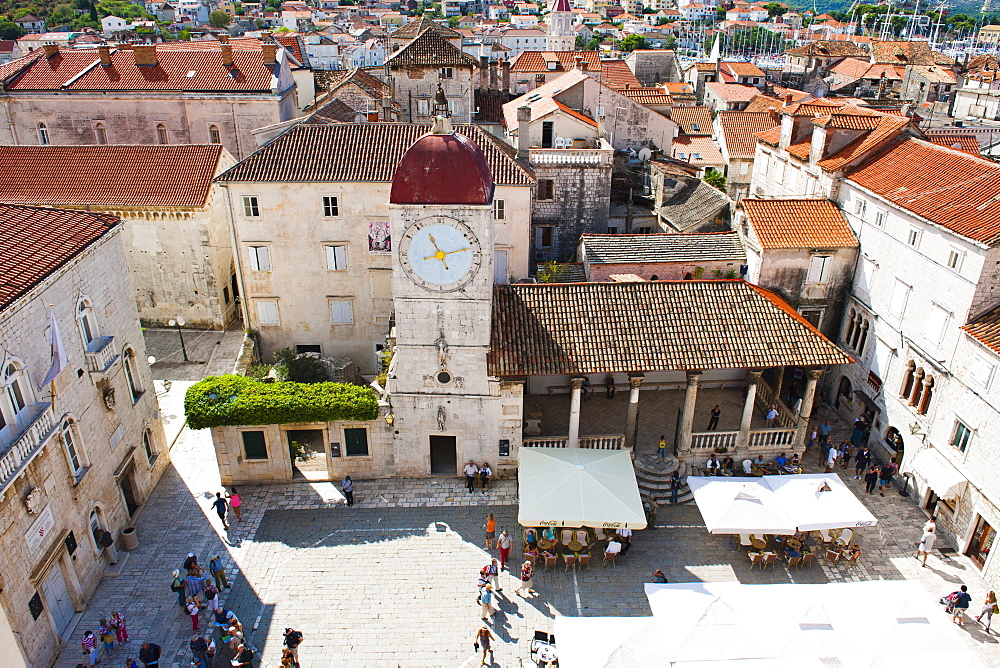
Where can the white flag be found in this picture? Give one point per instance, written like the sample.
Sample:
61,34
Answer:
58,352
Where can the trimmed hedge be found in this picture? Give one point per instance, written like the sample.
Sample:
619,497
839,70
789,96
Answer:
239,401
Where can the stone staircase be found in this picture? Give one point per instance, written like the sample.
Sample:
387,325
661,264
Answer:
653,475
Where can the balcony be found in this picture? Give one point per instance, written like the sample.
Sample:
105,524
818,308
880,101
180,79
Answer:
101,356
25,445
600,442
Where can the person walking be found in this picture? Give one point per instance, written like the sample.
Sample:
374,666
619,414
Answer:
812,439
149,654
661,447
193,609
194,585
483,642
926,544
846,455
960,602
649,507
871,478
106,634
885,477
493,575
772,415
675,488
470,471
713,421
221,506
120,627
236,503
485,473
491,530
212,596
861,462
824,433
292,641
504,543
218,572
526,572
831,459
177,586
89,644
348,488
486,601
990,608
199,648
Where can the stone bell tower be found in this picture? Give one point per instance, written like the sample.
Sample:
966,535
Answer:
561,36
441,216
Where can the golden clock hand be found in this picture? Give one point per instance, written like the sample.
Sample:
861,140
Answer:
439,254
433,243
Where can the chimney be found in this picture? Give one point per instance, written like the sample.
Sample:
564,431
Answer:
578,62
51,50
505,76
104,51
227,55
583,64
523,141
265,35
494,78
387,108
145,55
223,39
484,72
788,99
270,52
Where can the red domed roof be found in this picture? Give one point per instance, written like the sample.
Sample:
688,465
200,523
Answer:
442,169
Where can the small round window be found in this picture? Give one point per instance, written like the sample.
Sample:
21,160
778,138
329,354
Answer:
444,377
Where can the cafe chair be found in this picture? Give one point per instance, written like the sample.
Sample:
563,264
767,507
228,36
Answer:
581,536
851,559
613,557
769,559
793,561
550,560
540,640
745,540
808,560
756,559
599,533
846,535
583,560
833,556
569,560
567,537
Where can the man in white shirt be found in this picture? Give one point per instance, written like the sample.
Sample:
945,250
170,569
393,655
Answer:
713,465
470,470
626,534
614,547
831,459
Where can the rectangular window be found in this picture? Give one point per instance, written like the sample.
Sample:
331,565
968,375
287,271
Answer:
819,269
356,442
251,206
963,434
267,312
859,207
543,237
446,73
254,445
900,293
866,275
309,348
336,258
259,258
936,324
913,237
779,170
499,210
330,208
880,218
955,258
423,107
981,371
341,312
381,284
546,189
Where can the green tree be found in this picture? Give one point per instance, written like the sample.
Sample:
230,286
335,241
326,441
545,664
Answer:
61,14
219,19
124,10
238,9
633,42
453,21
775,9
715,179
184,35
347,3
10,30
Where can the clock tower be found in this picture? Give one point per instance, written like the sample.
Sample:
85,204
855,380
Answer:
441,216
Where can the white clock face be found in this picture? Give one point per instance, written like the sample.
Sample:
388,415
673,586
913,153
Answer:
440,254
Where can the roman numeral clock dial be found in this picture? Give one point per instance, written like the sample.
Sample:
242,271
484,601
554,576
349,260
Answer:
440,254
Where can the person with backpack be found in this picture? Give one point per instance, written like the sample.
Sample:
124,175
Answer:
177,586
959,603
885,477
293,639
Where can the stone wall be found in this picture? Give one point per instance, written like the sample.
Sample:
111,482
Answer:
421,82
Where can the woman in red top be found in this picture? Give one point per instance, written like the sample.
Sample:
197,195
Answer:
491,531
526,572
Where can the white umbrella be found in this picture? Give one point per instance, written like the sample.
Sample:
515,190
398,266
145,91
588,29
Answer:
577,487
738,505
819,501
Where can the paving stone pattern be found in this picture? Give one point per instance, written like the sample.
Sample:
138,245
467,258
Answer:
391,581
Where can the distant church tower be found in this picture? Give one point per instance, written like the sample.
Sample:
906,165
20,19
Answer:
561,36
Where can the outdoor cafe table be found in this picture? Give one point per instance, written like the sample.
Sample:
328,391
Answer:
575,546
544,544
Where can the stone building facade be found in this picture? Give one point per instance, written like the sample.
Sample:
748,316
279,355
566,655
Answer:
81,462
178,93
176,229
418,68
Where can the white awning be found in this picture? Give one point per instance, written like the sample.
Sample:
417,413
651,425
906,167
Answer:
946,481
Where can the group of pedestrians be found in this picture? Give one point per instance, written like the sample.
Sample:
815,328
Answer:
224,501
480,475
109,632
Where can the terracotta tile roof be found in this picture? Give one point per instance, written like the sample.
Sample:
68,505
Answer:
697,150
294,44
739,129
733,92
695,204
764,103
661,325
847,122
185,68
986,329
616,74
412,29
430,49
176,176
950,188
935,73
657,248
360,152
566,272
742,69
36,242
960,141
693,120
891,72
772,136
902,53
647,96
334,111
851,67
798,223
681,88
826,48
575,114
888,128
489,105
535,61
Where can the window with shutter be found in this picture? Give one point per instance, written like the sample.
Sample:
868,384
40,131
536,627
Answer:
936,324
267,312
981,371
259,257
819,269
897,304
336,258
341,312
356,442
866,275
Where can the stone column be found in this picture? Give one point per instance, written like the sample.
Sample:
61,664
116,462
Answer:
574,412
778,381
633,408
812,377
687,414
918,378
753,378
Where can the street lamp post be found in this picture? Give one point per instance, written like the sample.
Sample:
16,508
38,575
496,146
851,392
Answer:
178,324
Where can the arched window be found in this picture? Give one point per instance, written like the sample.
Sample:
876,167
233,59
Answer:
918,386
132,374
14,387
72,444
148,445
43,134
860,347
852,321
88,322
161,134
213,134
907,386
925,397
101,133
